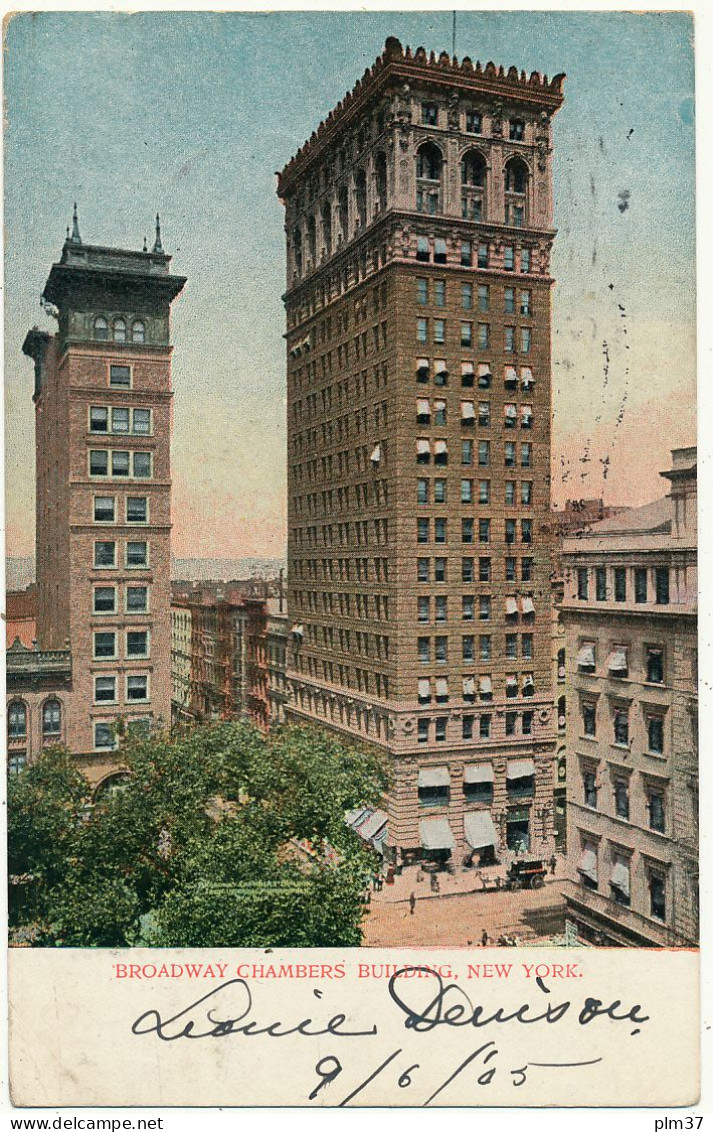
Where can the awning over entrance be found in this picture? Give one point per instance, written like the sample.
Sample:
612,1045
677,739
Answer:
436,834
520,768
479,772
373,825
480,830
434,776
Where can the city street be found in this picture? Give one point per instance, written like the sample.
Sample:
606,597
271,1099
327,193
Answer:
457,916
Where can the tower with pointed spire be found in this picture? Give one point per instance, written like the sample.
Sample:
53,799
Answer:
103,514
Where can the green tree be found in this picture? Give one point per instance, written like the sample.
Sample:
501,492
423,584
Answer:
220,836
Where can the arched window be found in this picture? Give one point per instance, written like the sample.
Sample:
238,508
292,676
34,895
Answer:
360,196
51,718
380,178
297,248
17,720
115,784
516,176
561,671
138,331
473,169
119,330
101,328
561,713
429,162
327,227
344,212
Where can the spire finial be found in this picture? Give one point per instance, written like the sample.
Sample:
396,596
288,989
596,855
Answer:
158,246
75,237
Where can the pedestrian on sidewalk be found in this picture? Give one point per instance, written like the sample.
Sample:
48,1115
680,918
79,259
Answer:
553,864
484,939
412,903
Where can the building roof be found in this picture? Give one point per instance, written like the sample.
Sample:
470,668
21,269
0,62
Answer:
640,528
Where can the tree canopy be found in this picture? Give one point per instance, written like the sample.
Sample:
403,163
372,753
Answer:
220,836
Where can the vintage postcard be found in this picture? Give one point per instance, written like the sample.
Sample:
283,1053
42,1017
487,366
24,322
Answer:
351,559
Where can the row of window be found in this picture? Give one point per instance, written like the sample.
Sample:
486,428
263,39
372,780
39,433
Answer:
618,885
105,734
106,643
136,555
515,685
472,118
516,723
105,599
434,291
468,652
51,719
515,644
103,418
117,330
467,339
617,662
436,490
436,569
468,495
424,416
484,530
136,509
467,375
616,583
653,796
136,689
620,733
438,448
436,251
109,462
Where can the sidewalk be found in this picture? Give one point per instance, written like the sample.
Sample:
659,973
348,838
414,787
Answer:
460,883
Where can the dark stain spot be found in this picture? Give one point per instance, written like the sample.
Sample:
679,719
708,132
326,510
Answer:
624,197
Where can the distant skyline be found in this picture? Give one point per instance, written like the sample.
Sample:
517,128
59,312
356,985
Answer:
191,114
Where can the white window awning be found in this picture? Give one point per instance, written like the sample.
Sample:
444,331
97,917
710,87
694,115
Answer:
479,772
373,825
423,364
511,606
376,454
307,343
588,862
511,681
440,367
617,661
528,605
585,657
620,877
511,374
511,412
484,370
520,768
423,407
298,630
486,685
424,689
466,368
526,377
528,682
436,834
480,830
468,686
423,447
441,686
440,447
467,411
526,412
434,776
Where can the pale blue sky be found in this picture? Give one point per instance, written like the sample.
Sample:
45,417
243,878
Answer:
191,114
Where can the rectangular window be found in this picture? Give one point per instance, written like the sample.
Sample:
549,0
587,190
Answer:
441,608
120,420
467,530
137,688
104,738
422,330
466,254
509,454
424,650
656,810
137,554
440,254
509,300
137,643
484,414
511,646
441,650
466,296
525,455
589,720
525,261
142,465
441,733
526,493
527,646
621,728
423,250
466,449
484,726
509,492
439,292
467,726
422,491
137,599
98,419
484,530
657,897
654,725
466,491
429,114
423,728
483,298
525,303
510,530
484,569
483,453
99,463
440,530
424,610
468,649
619,583
654,666
120,377
439,491
466,570
466,333
527,720
510,722
483,335
105,689
439,569
509,257
142,422
517,129
473,122
104,509
105,646
137,509
468,607
483,255
484,491
525,339
621,798
422,569
486,648
641,587
439,412
526,530
510,575
423,533
120,463
484,608
509,339
589,784
422,292
601,583
439,331
104,599
582,583
105,554
662,586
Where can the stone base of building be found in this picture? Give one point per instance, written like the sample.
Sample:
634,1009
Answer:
596,920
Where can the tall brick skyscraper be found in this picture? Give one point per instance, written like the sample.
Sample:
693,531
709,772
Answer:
103,431
419,232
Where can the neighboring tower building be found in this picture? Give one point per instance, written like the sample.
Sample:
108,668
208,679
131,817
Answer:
419,231
103,433
630,614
